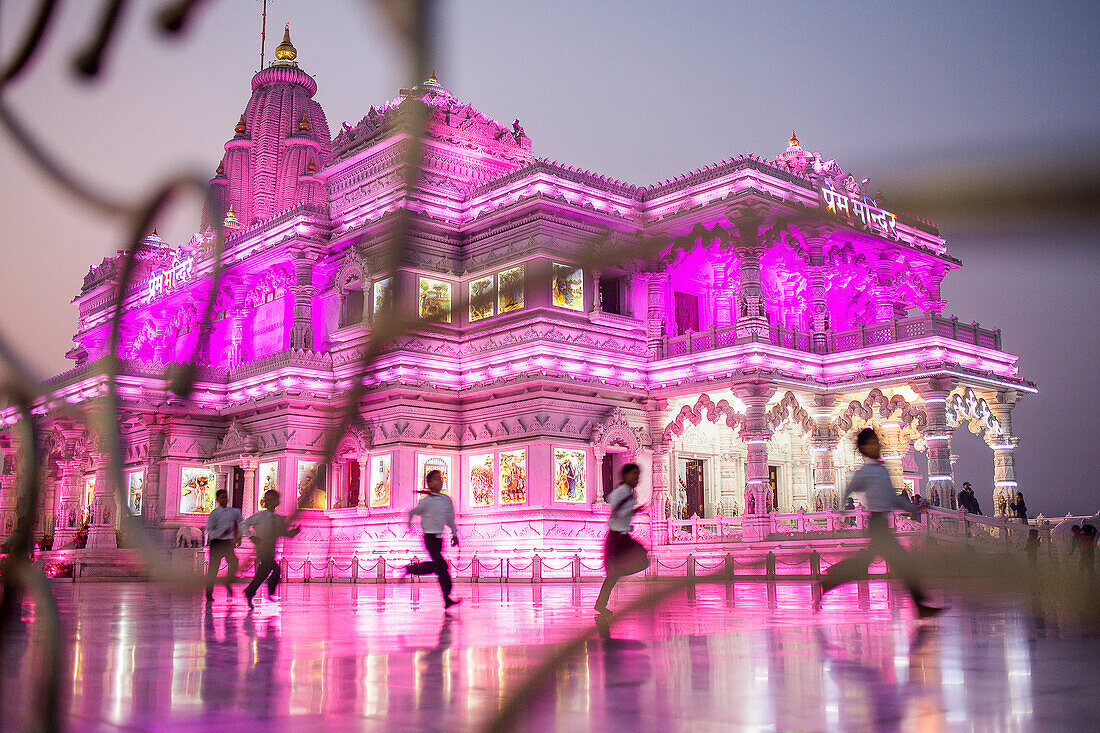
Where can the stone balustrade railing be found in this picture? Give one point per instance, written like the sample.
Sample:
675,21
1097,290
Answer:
954,526
893,331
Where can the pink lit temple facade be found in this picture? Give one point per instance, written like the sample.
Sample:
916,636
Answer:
730,329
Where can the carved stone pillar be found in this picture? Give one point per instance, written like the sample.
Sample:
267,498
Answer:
893,452
235,353
730,503
597,304
752,322
248,505
364,481
819,313
937,436
755,434
882,294
70,483
658,505
825,493
301,330
656,285
1004,445
151,495
202,344
598,452
101,518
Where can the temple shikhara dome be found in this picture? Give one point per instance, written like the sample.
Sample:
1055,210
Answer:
730,329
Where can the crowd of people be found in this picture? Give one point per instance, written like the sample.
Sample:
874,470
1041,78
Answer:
623,555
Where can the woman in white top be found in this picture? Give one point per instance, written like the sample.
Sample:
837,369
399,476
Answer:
622,554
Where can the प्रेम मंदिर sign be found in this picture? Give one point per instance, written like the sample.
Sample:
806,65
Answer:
854,208
169,278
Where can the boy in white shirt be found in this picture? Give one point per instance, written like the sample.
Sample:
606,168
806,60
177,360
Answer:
267,527
436,511
622,554
223,533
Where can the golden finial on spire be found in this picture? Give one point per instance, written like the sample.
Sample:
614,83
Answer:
240,127
285,51
432,77
794,140
303,124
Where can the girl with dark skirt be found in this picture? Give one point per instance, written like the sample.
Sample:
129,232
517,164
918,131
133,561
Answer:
622,554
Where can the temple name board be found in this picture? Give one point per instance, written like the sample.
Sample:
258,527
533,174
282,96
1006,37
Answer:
162,281
854,208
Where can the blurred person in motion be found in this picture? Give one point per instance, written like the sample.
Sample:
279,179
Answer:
880,499
223,533
622,554
267,527
436,511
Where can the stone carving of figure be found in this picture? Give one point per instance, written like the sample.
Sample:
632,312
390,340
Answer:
517,131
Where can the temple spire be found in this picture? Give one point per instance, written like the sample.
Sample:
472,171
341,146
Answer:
793,142
285,51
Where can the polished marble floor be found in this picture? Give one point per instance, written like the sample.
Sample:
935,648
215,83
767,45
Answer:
385,657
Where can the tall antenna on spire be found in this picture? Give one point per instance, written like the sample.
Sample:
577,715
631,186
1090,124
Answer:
263,35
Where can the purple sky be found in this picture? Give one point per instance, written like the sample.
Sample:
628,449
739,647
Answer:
640,91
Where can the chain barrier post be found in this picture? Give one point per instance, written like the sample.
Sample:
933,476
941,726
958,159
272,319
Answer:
769,565
576,568
381,569
475,568
536,569
815,565
729,566
690,565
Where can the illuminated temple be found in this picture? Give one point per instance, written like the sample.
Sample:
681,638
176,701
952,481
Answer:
730,329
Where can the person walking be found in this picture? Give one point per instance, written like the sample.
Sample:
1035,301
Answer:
1018,508
223,533
267,527
622,554
436,511
879,497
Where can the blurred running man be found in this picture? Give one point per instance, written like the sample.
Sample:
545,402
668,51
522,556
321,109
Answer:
267,527
880,499
223,533
622,554
436,512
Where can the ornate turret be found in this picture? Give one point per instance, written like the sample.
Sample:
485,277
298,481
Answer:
266,165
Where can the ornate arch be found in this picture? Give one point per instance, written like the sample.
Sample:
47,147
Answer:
789,408
616,430
877,402
277,278
353,267
357,441
966,405
704,406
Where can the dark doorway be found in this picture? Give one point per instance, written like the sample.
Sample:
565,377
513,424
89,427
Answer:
773,481
611,295
693,488
353,483
686,312
608,477
236,494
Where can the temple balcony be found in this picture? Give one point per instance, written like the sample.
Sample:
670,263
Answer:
893,331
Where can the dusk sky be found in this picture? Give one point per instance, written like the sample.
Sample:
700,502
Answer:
638,91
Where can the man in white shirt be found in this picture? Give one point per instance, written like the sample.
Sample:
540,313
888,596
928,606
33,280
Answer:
436,512
622,554
880,499
267,527
223,533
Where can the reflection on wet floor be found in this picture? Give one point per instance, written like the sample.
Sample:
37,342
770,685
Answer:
718,657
